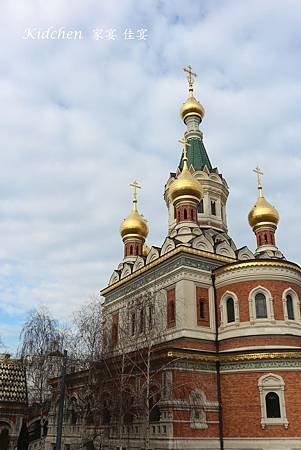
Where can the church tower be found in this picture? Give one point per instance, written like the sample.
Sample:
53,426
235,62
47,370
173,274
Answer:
219,326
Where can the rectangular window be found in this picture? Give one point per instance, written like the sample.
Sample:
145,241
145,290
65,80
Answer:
171,308
213,208
201,309
150,317
142,321
133,323
114,330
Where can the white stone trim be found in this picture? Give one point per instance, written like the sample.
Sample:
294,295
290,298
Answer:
296,305
223,310
272,383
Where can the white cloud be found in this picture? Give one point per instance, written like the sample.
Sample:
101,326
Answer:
79,120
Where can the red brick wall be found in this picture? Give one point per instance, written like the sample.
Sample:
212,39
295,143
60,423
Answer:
243,288
202,296
191,213
241,405
184,383
251,341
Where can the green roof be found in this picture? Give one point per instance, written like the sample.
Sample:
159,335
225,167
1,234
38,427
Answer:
197,155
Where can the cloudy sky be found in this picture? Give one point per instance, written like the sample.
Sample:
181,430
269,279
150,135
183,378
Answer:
81,118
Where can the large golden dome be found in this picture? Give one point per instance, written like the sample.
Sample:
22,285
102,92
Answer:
192,107
185,187
134,226
263,213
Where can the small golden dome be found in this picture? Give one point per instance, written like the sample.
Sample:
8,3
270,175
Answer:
185,187
192,107
263,213
134,226
145,250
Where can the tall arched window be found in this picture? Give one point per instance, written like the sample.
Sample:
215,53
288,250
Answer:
272,400
185,214
230,310
272,405
290,307
260,306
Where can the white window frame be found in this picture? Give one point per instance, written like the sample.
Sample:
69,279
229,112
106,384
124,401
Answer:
296,305
269,304
223,310
272,383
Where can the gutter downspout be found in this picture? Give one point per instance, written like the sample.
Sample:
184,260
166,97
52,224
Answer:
218,375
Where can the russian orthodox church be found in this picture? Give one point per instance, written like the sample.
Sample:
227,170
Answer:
232,316
208,335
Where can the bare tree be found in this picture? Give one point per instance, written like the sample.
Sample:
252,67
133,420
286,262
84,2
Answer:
85,339
41,353
137,362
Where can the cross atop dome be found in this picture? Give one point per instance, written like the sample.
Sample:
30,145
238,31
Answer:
190,77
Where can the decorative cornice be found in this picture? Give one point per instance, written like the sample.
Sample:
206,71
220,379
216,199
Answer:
257,263
236,357
167,256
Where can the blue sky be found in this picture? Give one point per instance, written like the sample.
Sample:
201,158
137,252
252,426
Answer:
80,119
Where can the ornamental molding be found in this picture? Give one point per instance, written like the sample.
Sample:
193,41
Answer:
258,263
277,364
136,281
210,262
261,272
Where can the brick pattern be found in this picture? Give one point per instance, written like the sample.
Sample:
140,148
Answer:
241,405
243,288
186,212
133,247
265,236
253,341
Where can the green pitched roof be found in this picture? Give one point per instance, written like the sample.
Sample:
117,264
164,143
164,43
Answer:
197,155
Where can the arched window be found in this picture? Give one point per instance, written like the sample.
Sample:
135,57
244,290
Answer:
272,405
230,310
265,238
260,306
213,208
290,307
131,249
272,400
185,214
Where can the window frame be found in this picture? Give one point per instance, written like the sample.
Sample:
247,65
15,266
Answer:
269,305
296,306
269,383
223,310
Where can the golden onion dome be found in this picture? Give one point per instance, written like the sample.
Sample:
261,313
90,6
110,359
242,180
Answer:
192,107
185,187
263,213
145,250
134,226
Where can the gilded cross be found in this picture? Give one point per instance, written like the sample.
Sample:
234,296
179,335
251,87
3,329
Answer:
135,185
185,145
190,75
258,173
